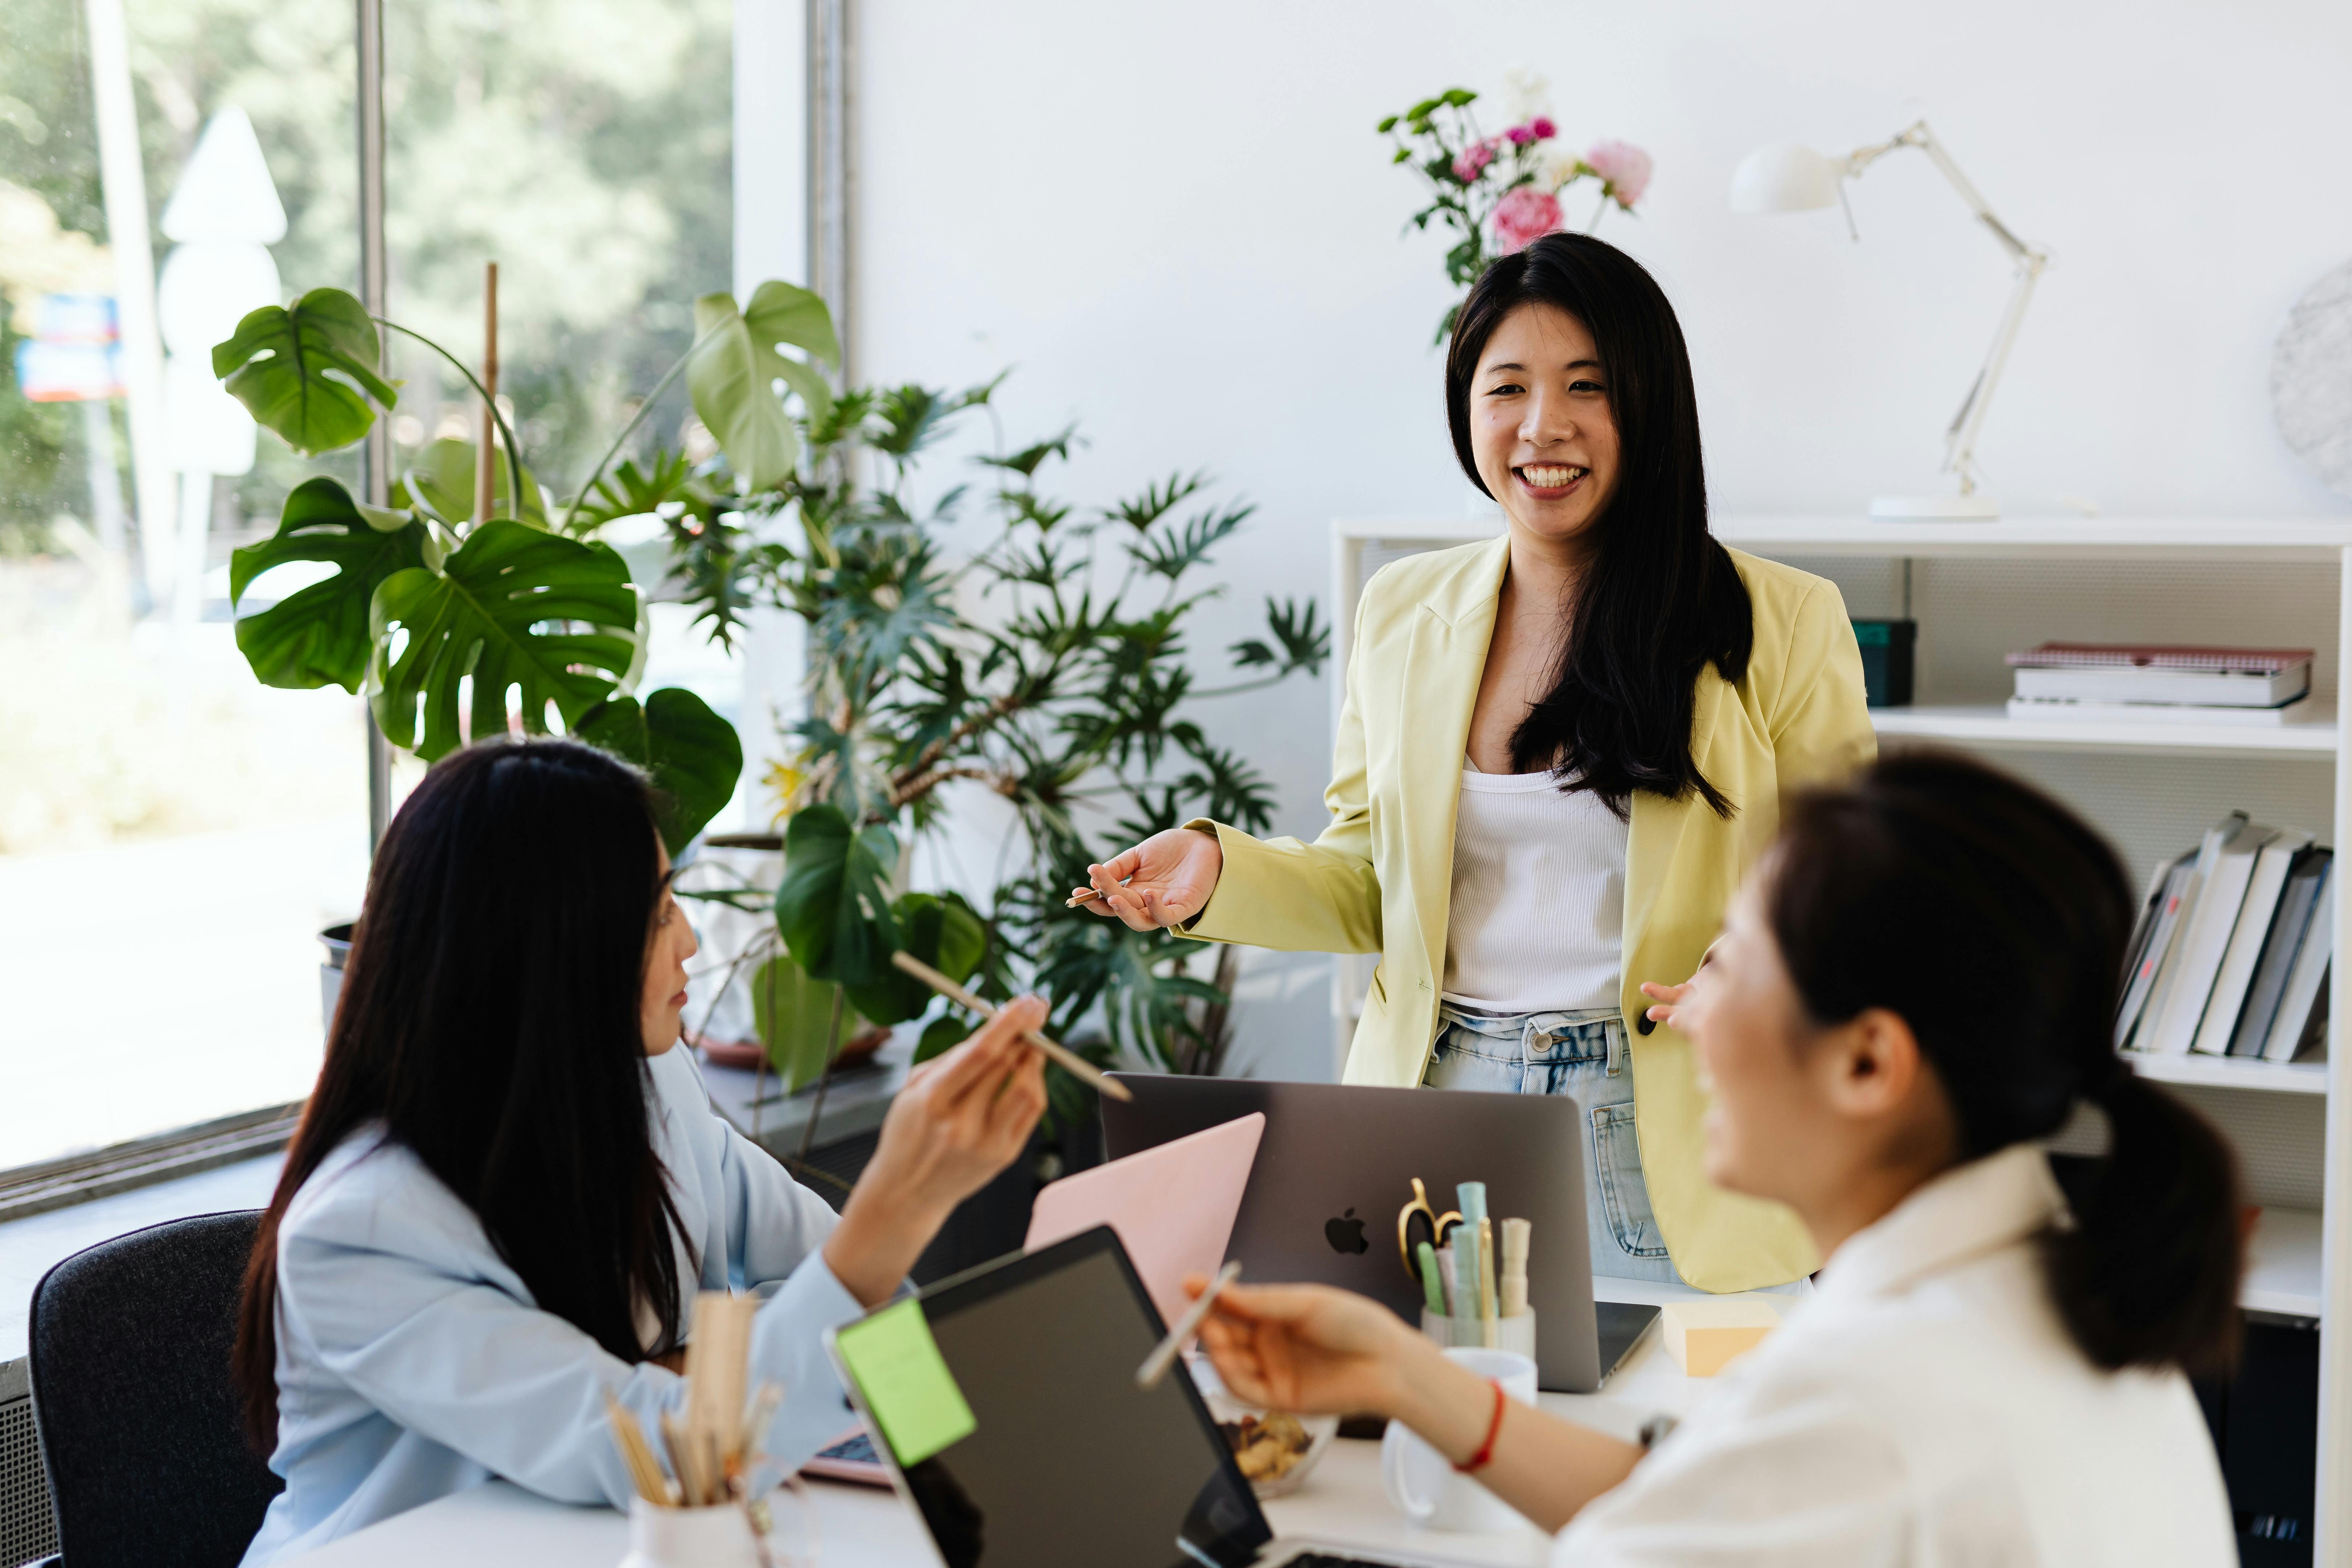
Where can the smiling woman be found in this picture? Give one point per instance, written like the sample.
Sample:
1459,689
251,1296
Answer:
1558,753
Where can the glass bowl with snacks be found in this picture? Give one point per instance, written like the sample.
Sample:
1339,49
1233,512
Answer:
1274,1449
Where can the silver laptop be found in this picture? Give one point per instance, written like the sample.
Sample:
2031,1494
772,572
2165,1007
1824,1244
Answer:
1055,1458
1337,1165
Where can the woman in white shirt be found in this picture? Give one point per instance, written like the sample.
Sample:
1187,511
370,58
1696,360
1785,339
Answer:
1917,986
507,1185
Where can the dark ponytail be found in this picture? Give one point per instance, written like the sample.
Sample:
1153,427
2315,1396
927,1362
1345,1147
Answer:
1993,922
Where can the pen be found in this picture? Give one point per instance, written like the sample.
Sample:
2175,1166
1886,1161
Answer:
1487,1280
1163,1355
1084,1071
1446,1279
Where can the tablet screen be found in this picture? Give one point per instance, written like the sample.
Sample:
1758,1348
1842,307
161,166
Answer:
1065,1463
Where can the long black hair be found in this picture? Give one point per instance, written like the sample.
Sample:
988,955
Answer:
1993,920
489,1021
1660,599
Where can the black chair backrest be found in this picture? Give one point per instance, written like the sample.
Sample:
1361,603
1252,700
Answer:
138,1422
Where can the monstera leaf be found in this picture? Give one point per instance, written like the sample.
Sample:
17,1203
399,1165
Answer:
735,367
307,370
441,481
941,932
496,612
317,635
692,754
834,907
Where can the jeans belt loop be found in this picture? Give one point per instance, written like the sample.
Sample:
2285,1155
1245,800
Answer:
1614,1029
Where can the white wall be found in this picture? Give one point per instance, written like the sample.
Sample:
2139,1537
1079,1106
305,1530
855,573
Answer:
1177,222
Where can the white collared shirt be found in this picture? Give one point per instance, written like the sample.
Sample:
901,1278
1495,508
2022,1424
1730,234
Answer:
1927,1407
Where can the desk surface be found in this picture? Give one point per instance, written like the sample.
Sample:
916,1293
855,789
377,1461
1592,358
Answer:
1341,1503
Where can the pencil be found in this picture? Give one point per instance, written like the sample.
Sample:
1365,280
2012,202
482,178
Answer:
1163,1355
1084,1071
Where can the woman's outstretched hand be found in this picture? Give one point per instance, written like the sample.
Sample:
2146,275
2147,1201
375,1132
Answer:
1163,881
961,1119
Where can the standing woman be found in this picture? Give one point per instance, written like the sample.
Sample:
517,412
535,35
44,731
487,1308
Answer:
1559,752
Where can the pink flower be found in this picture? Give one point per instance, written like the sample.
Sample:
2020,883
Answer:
1472,161
1543,128
1520,135
1523,215
1623,168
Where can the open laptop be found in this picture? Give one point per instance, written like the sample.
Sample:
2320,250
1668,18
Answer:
1013,1425
1336,1165
1172,1205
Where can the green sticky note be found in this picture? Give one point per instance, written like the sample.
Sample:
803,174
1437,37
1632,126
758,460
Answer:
906,1382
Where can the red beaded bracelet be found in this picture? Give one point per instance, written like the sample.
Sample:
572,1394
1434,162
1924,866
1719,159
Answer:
1478,1460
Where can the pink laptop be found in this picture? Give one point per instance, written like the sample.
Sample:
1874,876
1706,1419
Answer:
1172,1205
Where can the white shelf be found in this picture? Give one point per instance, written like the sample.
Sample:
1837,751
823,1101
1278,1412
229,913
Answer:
2231,1072
2303,539
1991,726
2283,1265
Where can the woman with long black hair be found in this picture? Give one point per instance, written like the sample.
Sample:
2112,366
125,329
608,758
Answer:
1559,753
508,1184
1911,996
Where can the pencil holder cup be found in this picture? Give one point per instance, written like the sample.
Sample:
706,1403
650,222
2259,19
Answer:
718,1536
1516,1334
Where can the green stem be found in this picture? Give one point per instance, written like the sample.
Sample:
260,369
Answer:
644,408
514,461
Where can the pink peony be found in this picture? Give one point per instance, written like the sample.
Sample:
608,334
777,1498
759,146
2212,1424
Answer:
1543,128
1623,168
1472,161
1523,215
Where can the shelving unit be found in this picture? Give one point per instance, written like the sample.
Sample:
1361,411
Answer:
1977,588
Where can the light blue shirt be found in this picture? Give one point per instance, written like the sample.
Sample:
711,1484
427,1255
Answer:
412,1361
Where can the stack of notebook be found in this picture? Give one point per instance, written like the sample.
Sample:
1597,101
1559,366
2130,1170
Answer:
2231,955
2177,685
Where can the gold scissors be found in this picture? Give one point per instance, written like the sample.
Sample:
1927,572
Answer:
1437,1226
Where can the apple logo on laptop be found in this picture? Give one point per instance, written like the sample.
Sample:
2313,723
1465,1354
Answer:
1346,1233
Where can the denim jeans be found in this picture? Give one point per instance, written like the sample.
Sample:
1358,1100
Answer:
1582,1053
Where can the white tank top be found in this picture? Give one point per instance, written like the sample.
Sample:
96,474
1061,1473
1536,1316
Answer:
1536,919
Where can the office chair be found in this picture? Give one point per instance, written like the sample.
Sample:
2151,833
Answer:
138,1426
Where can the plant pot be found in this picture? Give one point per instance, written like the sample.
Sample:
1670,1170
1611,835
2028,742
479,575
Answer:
337,940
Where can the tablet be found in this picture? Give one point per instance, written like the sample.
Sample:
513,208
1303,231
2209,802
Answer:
1006,1402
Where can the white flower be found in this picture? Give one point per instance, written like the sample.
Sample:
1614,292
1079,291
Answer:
1526,94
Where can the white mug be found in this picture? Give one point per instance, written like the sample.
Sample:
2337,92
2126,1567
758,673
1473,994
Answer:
1423,1485
716,1537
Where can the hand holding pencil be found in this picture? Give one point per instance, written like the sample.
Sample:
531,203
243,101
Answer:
1163,881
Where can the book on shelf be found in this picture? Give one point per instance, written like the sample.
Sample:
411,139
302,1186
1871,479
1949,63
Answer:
2282,945
2303,1009
2236,974
2302,711
2231,953
2167,962
2240,680
2196,959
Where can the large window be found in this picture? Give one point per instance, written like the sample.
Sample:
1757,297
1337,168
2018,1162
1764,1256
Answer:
173,835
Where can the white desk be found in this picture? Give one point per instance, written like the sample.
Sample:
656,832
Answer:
866,1527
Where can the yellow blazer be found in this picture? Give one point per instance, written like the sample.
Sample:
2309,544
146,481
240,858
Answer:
1380,878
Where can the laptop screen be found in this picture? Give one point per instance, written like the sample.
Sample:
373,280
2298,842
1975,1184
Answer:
1066,1461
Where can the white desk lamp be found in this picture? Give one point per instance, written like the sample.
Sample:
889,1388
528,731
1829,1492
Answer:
1787,177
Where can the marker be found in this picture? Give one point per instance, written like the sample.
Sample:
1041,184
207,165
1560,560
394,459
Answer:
1517,1233
1431,1291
